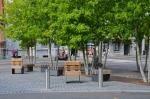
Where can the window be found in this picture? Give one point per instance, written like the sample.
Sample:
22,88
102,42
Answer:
105,46
116,46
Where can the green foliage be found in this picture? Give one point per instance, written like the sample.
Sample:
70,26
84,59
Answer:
24,19
1,26
72,23
75,22
128,20
81,21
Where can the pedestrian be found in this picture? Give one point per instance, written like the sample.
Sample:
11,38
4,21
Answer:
16,53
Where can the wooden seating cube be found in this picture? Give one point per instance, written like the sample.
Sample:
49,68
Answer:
17,63
72,68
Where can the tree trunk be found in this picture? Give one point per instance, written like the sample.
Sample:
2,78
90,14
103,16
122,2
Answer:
35,54
87,60
86,54
75,57
105,60
148,62
84,60
147,54
69,55
48,50
32,55
28,53
140,63
50,53
137,62
100,51
57,58
149,70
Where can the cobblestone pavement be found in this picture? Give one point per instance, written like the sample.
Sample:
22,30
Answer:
31,82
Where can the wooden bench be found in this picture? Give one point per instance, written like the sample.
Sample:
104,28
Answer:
17,63
72,68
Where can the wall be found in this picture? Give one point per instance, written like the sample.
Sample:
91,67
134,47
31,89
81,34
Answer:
1,7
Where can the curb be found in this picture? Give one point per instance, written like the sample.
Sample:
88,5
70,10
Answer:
75,91
91,91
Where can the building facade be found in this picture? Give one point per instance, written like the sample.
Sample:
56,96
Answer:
1,7
125,48
2,39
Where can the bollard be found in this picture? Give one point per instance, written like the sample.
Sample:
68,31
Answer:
100,77
47,79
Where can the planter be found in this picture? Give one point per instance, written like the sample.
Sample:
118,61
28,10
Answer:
56,72
29,67
17,64
106,77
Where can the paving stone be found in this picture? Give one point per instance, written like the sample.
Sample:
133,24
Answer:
32,82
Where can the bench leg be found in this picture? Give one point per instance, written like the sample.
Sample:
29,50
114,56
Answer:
13,71
22,70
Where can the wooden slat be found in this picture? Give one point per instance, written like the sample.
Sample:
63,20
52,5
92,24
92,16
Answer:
72,73
72,67
16,63
72,63
16,67
107,71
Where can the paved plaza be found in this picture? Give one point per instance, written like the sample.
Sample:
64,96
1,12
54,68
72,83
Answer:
34,82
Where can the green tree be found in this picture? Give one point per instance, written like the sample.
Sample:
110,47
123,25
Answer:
80,21
129,16
146,30
100,24
25,23
71,26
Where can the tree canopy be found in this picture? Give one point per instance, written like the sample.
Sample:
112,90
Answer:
75,22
